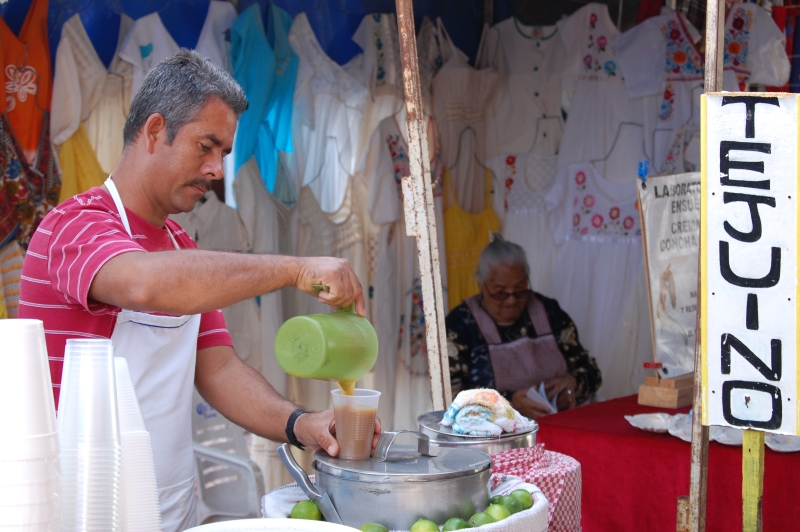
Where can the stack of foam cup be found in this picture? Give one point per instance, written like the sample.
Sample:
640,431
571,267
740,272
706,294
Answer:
140,511
88,427
30,482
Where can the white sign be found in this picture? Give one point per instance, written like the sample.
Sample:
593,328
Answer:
749,261
671,231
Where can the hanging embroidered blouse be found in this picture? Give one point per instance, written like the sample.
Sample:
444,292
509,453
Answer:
593,78
214,41
755,49
266,68
430,57
381,72
460,96
28,84
329,103
148,43
677,81
530,60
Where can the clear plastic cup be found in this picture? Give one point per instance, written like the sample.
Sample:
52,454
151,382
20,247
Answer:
28,425
140,508
355,422
130,415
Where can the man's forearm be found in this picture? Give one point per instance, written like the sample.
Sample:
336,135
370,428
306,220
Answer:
190,281
241,394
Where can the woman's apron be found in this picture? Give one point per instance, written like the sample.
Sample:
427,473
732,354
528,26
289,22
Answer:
161,353
525,362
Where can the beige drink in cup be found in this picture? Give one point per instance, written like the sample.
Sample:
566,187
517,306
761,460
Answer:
355,422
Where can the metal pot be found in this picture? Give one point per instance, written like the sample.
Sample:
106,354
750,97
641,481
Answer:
398,486
444,436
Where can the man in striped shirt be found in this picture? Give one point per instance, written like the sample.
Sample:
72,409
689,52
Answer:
89,264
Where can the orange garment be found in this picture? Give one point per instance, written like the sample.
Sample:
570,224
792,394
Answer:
28,84
465,235
27,77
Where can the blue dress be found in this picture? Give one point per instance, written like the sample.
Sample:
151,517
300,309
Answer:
266,68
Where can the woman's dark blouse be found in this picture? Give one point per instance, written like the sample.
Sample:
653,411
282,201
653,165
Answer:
470,366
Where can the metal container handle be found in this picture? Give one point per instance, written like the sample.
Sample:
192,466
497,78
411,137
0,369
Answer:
297,472
424,444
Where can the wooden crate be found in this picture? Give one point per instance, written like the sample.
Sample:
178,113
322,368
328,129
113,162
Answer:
675,392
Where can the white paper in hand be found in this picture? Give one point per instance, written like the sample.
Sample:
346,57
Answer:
540,396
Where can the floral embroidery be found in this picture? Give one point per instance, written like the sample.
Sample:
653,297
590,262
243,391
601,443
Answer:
610,68
737,43
595,216
682,58
511,171
380,71
20,82
399,160
600,58
592,20
667,102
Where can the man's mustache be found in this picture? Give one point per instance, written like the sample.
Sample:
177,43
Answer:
200,182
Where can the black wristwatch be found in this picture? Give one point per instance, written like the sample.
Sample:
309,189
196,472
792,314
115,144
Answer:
290,428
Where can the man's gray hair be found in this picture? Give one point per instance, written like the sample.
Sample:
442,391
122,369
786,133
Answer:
500,251
177,88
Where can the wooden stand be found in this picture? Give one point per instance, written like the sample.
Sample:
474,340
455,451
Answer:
675,392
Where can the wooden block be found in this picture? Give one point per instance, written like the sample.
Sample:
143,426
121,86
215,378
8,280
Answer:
665,397
681,381
652,381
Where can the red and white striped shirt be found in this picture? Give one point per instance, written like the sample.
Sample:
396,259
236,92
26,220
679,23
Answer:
71,244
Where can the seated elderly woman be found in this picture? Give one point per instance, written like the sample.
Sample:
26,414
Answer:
511,339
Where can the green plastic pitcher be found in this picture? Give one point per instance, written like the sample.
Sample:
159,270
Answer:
339,346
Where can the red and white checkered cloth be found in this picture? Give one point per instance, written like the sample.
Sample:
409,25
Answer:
557,475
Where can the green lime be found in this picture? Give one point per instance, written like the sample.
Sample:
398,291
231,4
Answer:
498,511
481,518
373,527
512,504
455,523
524,497
306,510
495,499
424,525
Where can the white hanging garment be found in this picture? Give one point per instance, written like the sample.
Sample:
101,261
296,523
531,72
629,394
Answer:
593,79
265,219
755,49
148,42
460,97
381,72
596,225
676,82
85,92
522,181
402,367
327,120
215,226
213,42
530,60
430,57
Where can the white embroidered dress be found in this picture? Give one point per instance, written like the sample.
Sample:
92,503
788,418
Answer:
148,43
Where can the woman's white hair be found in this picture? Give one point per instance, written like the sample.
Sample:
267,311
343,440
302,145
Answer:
500,251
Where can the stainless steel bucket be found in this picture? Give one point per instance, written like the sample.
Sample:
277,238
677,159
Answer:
444,436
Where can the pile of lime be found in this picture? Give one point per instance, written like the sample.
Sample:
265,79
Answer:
500,507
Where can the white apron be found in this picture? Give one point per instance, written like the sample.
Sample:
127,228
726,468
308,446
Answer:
161,353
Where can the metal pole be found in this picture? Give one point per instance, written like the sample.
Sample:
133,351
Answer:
419,213
698,475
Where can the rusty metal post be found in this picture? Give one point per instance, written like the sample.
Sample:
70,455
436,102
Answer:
698,473
419,214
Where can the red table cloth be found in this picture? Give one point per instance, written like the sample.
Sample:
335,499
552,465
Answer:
632,479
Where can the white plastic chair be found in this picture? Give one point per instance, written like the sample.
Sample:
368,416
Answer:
229,484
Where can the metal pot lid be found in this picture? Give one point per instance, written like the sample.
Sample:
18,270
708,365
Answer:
430,421
405,464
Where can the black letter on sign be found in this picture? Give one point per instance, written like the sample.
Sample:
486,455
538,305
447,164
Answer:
725,164
777,408
750,105
770,373
752,202
751,319
768,281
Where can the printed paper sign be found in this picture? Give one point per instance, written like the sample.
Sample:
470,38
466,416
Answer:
671,215
749,260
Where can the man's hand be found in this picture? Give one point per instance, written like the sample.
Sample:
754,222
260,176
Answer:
526,407
564,387
335,274
317,430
